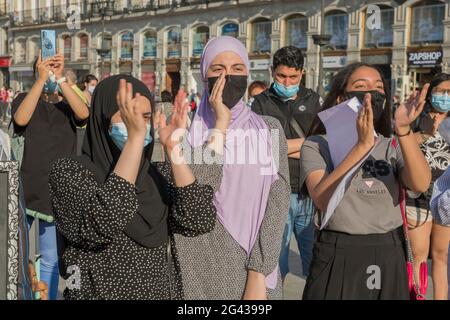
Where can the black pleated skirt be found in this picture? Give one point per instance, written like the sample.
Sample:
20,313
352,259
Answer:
367,267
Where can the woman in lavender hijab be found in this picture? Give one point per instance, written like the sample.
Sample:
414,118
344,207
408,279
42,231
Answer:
243,157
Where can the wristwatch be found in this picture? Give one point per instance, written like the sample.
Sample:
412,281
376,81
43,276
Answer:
61,80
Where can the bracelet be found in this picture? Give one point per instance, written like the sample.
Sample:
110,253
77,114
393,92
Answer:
404,135
61,80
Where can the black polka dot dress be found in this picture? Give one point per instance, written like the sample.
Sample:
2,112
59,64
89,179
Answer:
100,260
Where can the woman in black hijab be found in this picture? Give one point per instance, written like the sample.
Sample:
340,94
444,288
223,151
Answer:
116,211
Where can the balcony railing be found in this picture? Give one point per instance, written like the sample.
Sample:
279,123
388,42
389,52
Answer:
61,14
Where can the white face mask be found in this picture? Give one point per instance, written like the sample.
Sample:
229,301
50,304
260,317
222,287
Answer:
91,89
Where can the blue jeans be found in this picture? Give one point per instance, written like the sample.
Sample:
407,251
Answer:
300,222
49,256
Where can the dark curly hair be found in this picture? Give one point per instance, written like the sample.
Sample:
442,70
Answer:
337,90
289,56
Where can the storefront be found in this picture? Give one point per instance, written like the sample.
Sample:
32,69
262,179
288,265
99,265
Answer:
173,76
106,70
148,76
423,64
381,58
331,65
22,77
260,70
126,67
427,34
80,69
195,83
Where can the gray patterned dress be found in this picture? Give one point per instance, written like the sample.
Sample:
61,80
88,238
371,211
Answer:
213,265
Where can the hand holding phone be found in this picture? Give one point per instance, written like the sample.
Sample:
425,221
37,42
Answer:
58,66
44,68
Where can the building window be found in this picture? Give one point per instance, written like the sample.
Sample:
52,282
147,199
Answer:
174,43
200,38
21,51
149,45
108,38
336,24
84,45
296,28
67,47
380,36
230,29
126,45
34,49
427,23
261,32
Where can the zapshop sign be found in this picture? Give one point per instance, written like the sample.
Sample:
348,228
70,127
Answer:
424,59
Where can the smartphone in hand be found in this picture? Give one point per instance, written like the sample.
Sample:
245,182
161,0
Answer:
48,43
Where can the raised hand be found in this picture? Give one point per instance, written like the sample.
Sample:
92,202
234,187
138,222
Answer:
129,111
168,133
58,65
43,67
431,122
364,124
408,111
223,114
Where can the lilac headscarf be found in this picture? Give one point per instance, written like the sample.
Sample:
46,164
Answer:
241,200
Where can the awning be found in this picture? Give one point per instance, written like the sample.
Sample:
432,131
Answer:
21,68
78,65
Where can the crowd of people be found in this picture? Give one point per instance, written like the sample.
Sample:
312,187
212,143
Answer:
135,213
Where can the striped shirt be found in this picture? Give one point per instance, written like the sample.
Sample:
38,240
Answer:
440,200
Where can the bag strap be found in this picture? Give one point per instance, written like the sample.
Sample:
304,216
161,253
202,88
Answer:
409,253
293,124
297,128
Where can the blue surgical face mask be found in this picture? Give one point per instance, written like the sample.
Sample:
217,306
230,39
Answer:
119,134
441,102
285,92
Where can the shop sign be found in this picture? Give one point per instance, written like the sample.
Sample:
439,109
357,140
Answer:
424,59
334,62
261,64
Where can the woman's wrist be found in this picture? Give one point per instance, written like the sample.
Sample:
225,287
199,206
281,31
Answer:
403,131
136,140
222,123
361,148
41,81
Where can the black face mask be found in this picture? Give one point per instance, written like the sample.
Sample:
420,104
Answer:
233,90
378,101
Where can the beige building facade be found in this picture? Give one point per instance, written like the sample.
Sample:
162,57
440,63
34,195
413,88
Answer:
161,41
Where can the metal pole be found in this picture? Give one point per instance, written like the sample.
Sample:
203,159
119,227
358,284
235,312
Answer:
102,55
320,88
